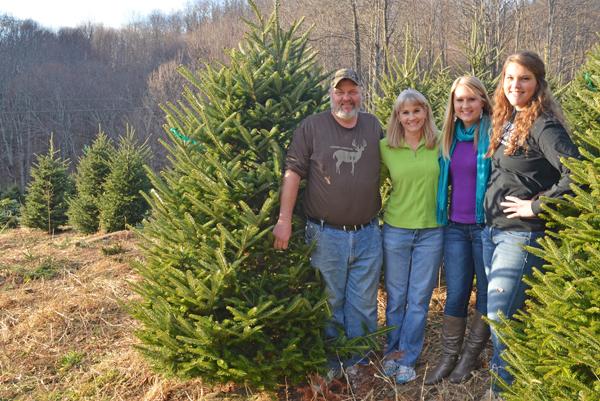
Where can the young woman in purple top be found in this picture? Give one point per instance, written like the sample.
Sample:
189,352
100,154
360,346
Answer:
464,173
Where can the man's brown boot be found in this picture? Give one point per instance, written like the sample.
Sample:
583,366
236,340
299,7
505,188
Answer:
453,332
474,344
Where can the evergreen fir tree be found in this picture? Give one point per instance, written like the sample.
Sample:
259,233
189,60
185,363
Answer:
218,301
12,192
122,202
433,83
91,173
9,213
554,346
581,102
10,205
483,59
48,192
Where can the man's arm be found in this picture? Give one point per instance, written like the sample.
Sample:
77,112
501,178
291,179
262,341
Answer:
289,192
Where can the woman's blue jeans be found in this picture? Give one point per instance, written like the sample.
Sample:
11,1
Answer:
411,259
463,260
506,263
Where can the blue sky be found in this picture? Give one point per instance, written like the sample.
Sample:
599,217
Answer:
70,13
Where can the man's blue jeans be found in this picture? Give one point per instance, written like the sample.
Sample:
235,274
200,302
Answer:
350,265
463,259
506,263
411,261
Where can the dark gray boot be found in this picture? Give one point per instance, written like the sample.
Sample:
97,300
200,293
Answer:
453,332
474,344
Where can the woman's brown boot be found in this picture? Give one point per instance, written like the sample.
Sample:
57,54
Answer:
453,332
474,344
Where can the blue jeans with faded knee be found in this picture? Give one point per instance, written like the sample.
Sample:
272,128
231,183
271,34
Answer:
506,264
411,258
350,265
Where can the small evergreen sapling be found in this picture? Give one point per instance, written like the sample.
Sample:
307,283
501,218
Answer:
9,213
92,171
12,192
122,202
10,206
47,194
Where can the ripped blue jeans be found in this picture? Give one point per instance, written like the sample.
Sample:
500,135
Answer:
506,263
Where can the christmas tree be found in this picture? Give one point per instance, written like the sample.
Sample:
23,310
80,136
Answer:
11,192
122,202
48,191
581,103
554,346
91,173
9,213
218,301
10,206
432,83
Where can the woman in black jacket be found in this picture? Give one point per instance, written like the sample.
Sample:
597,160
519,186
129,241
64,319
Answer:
527,141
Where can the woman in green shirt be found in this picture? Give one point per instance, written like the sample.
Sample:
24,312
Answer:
412,238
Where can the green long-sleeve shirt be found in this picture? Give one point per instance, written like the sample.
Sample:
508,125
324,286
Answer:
414,175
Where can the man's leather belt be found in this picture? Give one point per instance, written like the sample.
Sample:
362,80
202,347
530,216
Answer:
344,227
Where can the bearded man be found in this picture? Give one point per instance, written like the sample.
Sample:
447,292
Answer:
337,153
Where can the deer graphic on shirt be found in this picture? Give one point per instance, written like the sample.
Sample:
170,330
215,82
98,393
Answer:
348,155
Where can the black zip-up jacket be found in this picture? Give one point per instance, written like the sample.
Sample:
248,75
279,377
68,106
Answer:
529,173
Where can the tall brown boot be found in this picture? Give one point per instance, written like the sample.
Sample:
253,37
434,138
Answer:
474,344
453,332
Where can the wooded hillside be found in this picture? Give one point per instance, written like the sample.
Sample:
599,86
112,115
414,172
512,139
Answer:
75,80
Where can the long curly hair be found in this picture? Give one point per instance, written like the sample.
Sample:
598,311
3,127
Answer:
541,102
395,131
478,89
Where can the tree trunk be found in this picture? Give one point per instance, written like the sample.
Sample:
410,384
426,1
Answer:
550,30
377,53
518,15
386,36
357,61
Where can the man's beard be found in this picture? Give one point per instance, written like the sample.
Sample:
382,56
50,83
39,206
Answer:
341,114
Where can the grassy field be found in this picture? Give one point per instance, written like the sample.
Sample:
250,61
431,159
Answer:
65,335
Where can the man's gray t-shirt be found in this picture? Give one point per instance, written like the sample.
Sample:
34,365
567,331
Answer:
341,166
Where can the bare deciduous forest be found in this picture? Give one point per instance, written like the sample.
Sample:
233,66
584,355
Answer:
73,81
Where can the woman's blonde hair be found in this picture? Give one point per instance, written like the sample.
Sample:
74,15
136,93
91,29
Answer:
542,101
395,131
478,89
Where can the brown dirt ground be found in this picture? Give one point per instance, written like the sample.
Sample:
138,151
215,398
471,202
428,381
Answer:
65,336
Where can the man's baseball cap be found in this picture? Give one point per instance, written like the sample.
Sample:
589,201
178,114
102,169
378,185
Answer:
345,73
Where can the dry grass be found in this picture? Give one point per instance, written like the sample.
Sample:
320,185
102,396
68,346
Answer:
64,334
